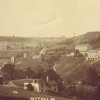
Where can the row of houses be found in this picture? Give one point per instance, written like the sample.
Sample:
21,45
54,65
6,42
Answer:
36,85
88,51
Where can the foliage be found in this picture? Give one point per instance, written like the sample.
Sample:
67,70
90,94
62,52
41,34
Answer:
8,71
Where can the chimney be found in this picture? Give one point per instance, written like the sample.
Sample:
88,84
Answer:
54,67
12,59
47,78
25,55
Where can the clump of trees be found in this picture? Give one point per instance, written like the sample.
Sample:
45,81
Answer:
10,73
77,53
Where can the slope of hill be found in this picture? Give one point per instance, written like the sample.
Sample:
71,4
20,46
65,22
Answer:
92,38
67,67
66,64
36,64
81,71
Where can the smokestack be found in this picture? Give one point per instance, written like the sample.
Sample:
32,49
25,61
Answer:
12,59
47,78
25,55
54,67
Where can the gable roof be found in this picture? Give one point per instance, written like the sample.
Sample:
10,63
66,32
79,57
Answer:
21,82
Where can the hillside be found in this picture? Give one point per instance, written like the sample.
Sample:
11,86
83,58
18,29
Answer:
72,68
64,66
36,64
77,69
68,67
92,38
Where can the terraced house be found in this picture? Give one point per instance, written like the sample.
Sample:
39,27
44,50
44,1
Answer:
83,48
93,55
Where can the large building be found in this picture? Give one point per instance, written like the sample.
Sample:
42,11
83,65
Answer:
93,55
83,48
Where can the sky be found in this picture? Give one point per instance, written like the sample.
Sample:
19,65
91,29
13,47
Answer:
40,18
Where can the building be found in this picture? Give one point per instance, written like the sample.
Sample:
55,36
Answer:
83,48
3,46
38,85
12,59
1,78
30,45
93,55
19,83
52,87
43,51
71,54
15,46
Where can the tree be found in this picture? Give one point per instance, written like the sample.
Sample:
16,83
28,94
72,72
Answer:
29,73
8,71
40,73
77,53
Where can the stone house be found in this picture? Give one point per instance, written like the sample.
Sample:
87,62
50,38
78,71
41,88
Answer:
93,55
83,48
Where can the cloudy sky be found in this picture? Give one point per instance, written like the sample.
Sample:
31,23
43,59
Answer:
49,17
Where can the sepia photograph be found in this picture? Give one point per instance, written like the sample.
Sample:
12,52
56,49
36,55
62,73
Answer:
49,49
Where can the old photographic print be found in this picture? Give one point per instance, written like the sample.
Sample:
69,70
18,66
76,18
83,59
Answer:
49,49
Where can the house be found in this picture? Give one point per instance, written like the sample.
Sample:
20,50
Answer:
38,85
43,51
25,55
93,55
3,46
12,59
15,46
1,78
83,48
19,83
30,45
71,54
52,87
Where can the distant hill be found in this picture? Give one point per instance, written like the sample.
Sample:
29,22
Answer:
92,38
